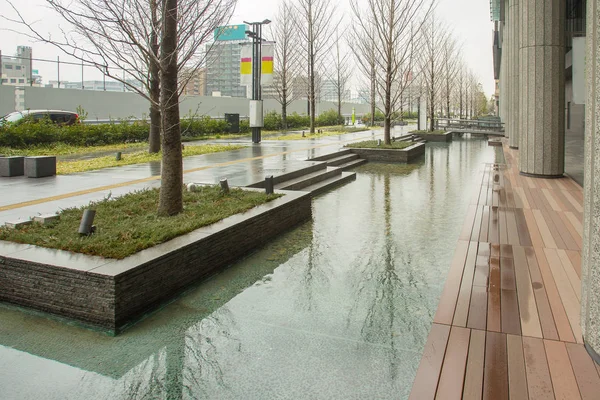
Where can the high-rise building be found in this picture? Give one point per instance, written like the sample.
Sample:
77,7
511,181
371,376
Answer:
195,85
223,69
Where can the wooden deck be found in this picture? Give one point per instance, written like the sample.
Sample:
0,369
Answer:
507,325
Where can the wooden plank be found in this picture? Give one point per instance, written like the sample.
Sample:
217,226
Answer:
465,234
503,227
551,201
520,198
524,237
566,292
478,308
475,366
485,224
566,204
563,326
547,323
576,222
575,257
426,380
561,231
517,379
539,383
464,296
494,235
495,379
447,304
572,231
493,312
455,362
547,237
534,232
528,312
576,203
585,372
563,378
477,224
570,272
511,227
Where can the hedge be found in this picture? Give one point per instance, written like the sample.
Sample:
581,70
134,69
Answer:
46,133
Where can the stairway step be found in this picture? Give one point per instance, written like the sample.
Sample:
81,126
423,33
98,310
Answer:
278,179
330,183
343,159
309,179
352,164
329,156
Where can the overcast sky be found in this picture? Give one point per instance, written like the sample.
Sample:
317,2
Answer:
468,19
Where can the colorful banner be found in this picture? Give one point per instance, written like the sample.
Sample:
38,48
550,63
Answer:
246,64
268,51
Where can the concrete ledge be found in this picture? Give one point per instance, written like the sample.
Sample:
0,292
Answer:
12,166
435,137
112,294
40,166
391,155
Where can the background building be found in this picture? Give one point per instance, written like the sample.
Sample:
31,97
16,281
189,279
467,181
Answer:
223,63
17,70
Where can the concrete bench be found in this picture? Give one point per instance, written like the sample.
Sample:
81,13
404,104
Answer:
12,166
40,166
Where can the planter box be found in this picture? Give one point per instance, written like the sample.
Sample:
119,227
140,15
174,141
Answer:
435,137
12,166
40,166
111,294
392,155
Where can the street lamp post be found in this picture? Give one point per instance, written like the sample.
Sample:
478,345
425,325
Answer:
256,35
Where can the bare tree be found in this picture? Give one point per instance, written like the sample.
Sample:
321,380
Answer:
287,59
316,23
451,70
435,37
389,25
340,76
365,55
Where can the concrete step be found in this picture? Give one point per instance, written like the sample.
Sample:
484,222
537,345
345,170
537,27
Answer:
327,157
303,181
278,179
343,159
330,183
352,164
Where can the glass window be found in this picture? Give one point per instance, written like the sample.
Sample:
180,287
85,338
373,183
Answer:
18,67
13,81
8,66
21,80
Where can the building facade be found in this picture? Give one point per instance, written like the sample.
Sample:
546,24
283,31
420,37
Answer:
549,100
17,70
223,69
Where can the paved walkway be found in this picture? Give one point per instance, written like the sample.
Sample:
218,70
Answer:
24,197
507,324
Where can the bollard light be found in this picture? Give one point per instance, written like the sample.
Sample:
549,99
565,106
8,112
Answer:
118,156
86,226
269,184
224,185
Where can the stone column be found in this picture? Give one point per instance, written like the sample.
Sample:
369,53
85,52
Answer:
506,59
513,71
503,79
542,88
590,266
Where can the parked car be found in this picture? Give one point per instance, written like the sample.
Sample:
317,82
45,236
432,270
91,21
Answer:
57,116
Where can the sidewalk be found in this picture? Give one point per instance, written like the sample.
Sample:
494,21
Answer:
24,197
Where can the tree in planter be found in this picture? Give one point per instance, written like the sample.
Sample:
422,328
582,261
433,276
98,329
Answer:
316,23
125,35
392,26
287,59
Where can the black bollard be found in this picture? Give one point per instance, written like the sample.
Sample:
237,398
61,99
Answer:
224,185
269,184
118,156
87,220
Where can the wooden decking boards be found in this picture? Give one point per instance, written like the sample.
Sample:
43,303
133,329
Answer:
507,324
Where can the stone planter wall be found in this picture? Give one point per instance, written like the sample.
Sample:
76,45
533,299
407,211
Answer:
434,137
392,155
110,294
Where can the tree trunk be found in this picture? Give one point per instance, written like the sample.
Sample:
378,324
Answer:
154,135
284,115
171,188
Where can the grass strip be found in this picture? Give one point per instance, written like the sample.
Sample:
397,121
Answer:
138,157
334,131
129,224
373,144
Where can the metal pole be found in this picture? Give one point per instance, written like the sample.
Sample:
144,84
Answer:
255,69
0,67
30,69
58,70
82,86
104,79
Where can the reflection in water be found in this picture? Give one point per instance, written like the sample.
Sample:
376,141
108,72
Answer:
337,308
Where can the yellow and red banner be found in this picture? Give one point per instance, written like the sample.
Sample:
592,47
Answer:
266,64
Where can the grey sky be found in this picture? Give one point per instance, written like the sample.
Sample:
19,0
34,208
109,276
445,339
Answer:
468,19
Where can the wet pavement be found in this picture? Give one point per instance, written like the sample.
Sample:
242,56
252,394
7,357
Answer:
338,308
24,197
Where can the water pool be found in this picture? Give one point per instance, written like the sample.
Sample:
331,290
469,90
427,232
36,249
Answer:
337,308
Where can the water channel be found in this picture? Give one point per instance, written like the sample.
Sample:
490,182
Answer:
338,308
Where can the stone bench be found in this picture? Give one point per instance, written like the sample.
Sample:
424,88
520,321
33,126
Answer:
12,166
40,166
